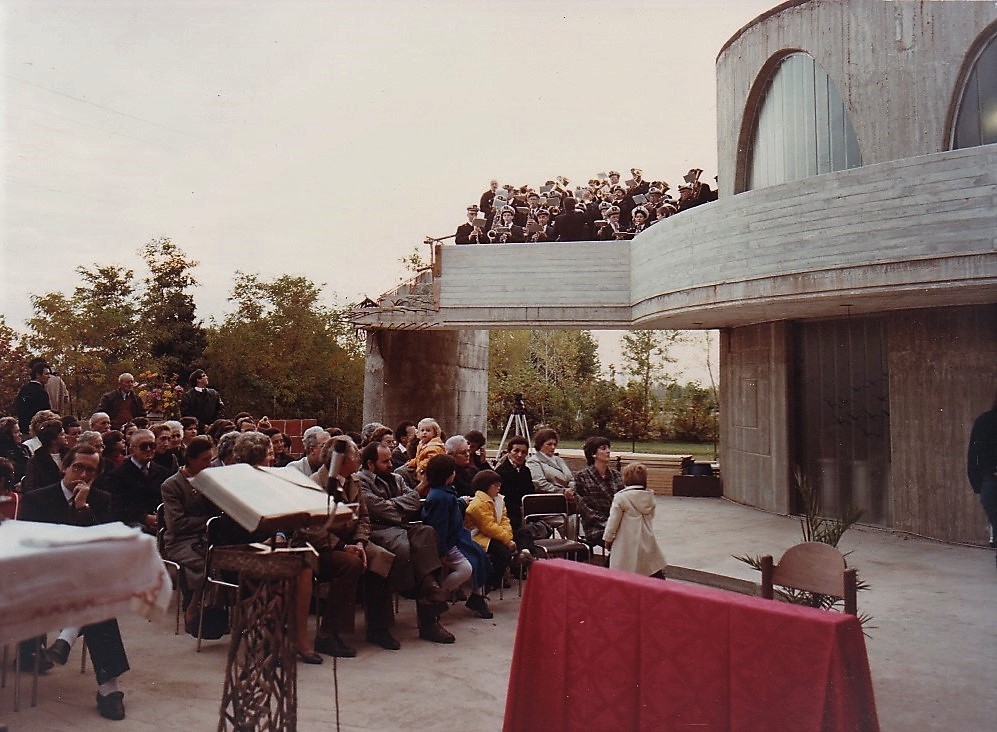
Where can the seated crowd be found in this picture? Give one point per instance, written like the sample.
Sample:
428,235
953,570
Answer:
436,521
602,210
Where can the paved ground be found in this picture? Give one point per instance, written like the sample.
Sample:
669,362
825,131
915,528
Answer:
932,645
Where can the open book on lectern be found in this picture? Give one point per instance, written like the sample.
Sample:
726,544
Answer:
269,499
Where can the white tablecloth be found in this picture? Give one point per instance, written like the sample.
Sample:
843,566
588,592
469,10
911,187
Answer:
54,576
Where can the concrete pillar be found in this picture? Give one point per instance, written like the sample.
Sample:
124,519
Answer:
429,373
755,414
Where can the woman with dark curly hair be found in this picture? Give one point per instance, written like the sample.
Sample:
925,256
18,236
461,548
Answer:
11,447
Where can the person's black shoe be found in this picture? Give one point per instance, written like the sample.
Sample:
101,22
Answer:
383,638
311,657
58,652
435,633
479,606
333,645
111,706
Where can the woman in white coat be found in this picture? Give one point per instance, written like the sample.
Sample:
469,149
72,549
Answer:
629,533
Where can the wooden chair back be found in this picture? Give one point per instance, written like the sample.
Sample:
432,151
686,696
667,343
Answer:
812,567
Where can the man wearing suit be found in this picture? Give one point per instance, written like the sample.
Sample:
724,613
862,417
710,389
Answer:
73,501
572,225
123,404
135,484
469,233
201,402
32,398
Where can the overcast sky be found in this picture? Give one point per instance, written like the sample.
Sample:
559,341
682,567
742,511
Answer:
326,138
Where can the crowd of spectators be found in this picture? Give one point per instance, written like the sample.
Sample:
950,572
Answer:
435,519
604,209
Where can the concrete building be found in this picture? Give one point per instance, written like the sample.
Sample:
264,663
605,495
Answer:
850,265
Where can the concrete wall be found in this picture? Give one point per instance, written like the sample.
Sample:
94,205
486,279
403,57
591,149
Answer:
943,374
897,65
416,374
755,370
909,233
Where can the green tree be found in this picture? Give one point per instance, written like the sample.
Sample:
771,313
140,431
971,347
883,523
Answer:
554,370
645,358
174,338
13,366
91,335
281,352
689,413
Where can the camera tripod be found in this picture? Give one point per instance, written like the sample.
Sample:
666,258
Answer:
516,422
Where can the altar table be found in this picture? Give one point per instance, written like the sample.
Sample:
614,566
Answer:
54,576
599,649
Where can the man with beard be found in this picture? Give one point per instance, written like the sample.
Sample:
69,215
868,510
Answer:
392,505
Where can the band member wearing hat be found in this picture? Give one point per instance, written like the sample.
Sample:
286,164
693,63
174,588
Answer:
639,220
473,232
547,231
507,232
612,228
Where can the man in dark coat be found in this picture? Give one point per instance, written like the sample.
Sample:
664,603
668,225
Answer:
471,233
32,398
201,402
135,485
73,501
572,225
981,462
517,481
122,405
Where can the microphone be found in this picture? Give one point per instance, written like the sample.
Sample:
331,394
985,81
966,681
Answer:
339,450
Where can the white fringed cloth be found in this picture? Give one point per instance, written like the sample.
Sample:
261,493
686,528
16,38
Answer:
54,576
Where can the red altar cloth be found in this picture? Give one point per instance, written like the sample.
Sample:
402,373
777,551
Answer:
597,649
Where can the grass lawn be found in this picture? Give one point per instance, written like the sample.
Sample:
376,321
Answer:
699,450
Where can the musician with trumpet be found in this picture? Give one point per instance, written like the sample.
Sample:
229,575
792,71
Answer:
545,230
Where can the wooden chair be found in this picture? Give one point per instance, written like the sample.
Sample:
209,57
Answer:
553,508
812,567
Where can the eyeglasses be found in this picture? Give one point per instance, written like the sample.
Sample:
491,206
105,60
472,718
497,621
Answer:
81,468
519,450
146,446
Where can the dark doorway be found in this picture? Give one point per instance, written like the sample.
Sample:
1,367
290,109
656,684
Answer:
843,415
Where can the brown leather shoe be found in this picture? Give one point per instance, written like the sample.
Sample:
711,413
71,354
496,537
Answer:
431,590
436,633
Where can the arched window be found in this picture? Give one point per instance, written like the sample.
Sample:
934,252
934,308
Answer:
976,122
802,127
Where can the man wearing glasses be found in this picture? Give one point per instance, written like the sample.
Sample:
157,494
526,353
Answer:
74,501
135,484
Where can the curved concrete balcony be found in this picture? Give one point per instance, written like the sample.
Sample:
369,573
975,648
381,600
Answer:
918,232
